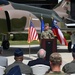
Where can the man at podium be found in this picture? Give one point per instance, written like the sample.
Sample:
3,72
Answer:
48,41
47,33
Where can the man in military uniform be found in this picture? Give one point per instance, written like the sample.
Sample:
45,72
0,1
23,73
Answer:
70,67
47,33
18,56
55,63
47,45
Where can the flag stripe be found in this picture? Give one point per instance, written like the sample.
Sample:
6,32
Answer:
61,37
32,34
56,30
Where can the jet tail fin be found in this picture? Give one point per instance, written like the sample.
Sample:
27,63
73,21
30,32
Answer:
63,8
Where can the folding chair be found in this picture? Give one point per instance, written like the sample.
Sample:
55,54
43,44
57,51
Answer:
40,69
2,70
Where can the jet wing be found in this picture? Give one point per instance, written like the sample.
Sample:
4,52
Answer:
38,10
68,29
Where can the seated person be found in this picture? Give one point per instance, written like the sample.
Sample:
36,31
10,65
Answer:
70,67
18,56
3,60
40,60
55,63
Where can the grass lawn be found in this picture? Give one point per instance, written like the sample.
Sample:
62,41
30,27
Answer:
26,43
21,42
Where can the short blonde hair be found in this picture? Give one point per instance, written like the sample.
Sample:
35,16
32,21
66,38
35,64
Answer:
55,58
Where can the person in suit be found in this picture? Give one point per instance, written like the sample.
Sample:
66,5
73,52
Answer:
3,60
40,60
18,56
47,33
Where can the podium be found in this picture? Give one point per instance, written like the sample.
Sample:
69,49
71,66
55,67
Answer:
50,45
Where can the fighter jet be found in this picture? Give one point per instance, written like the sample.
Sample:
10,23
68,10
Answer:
63,9
66,9
15,17
16,10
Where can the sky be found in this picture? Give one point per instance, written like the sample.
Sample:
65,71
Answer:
59,1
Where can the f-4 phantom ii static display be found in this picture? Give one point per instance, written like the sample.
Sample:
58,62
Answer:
66,11
15,16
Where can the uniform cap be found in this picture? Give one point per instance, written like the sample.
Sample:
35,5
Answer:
46,24
18,52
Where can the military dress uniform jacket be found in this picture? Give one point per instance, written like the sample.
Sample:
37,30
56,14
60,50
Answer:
69,67
56,73
47,34
25,69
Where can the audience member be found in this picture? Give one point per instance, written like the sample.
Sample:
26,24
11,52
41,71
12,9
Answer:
55,62
3,60
18,56
70,67
40,60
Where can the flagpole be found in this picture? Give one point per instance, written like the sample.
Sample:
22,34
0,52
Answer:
32,33
29,49
29,25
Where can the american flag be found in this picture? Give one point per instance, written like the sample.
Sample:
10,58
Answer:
56,30
32,33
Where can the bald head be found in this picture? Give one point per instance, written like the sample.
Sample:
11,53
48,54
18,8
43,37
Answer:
41,53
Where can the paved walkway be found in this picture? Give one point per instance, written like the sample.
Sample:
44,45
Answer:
27,46
66,56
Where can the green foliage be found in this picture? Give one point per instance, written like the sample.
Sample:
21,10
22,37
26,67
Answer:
21,39
3,26
22,36
18,37
47,20
67,36
18,24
